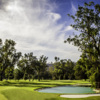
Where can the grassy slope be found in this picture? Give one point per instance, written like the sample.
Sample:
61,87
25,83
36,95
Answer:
24,90
2,97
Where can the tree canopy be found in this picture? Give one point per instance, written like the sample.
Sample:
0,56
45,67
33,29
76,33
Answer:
87,22
8,56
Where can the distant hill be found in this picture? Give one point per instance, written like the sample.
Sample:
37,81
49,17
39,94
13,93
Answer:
50,65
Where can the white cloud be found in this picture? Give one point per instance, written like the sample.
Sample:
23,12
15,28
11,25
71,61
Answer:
54,16
33,25
68,28
74,9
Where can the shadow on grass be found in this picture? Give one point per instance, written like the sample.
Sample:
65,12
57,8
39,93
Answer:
41,84
52,99
57,99
28,84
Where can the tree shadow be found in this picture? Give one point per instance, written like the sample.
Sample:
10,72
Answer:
51,99
27,84
54,99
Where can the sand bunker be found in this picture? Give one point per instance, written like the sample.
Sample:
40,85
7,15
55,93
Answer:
79,96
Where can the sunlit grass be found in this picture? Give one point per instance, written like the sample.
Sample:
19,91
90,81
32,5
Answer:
25,90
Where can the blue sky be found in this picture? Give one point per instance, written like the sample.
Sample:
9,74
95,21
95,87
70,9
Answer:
40,26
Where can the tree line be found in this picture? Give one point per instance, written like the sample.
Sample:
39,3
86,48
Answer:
14,65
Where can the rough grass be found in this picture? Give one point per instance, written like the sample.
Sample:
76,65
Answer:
24,90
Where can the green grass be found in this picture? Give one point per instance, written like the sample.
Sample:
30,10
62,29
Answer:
24,90
2,97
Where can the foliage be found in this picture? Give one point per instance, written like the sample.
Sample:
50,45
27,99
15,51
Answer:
9,73
70,69
80,69
18,74
26,65
64,69
51,72
8,57
87,22
40,66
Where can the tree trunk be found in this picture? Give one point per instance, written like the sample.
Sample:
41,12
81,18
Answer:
97,85
1,77
38,76
59,77
64,77
33,78
29,77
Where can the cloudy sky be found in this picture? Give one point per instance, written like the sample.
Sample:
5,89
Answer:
40,26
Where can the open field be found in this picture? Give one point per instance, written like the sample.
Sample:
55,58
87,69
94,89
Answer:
24,90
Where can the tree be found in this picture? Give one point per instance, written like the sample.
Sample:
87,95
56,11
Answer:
8,56
51,71
87,22
80,69
57,68
22,64
26,65
40,66
64,69
70,69
18,74
31,65
1,60
9,73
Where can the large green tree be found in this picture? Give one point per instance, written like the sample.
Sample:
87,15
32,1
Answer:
80,68
63,69
69,69
27,65
87,22
18,74
40,66
57,69
8,56
9,73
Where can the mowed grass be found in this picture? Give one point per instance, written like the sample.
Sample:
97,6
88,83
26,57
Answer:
25,90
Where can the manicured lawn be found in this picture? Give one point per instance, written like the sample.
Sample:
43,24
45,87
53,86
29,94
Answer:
24,90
